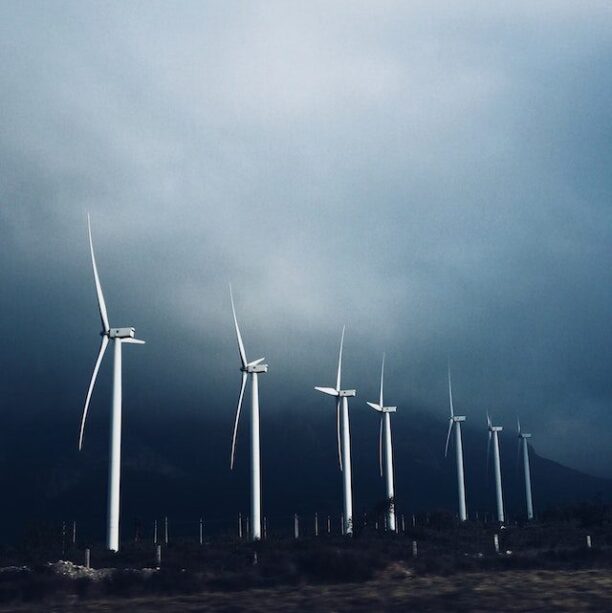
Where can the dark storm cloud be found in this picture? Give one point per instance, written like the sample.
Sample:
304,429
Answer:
435,176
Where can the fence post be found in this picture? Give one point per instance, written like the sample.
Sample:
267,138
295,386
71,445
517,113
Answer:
158,555
342,524
316,524
154,532
74,531
240,526
201,530
265,527
248,527
588,541
63,537
328,524
87,557
414,549
296,526
496,542
166,529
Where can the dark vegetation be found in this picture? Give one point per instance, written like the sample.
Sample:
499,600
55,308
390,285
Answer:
556,542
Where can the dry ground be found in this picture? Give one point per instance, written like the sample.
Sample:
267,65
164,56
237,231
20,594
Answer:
395,590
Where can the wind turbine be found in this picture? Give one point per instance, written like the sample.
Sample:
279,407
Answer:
119,336
254,369
344,439
385,433
455,421
522,440
493,434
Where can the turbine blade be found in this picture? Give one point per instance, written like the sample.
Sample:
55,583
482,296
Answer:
450,427
518,454
376,407
327,390
382,374
489,424
243,357
380,443
94,376
450,393
488,453
255,362
101,303
338,401
339,375
518,425
240,397
133,341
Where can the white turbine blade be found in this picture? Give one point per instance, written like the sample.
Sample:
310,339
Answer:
327,390
382,375
489,424
255,362
94,376
133,341
376,407
450,427
380,442
338,433
518,425
450,393
488,452
243,357
101,303
239,406
518,453
339,374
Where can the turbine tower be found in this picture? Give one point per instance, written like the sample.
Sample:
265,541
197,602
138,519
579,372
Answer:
455,422
344,439
119,336
253,369
522,440
493,434
384,433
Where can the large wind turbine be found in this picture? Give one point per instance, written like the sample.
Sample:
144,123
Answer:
119,336
522,440
493,434
254,369
344,439
455,421
385,433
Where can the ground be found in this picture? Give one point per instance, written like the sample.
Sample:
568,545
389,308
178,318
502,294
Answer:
396,589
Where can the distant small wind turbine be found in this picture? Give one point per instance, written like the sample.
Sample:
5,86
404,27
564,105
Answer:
522,440
119,336
455,421
493,434
344,439
385,432
254,369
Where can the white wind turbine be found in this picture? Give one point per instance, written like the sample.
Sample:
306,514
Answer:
254,369
522,440
385,433
455,421
493,434
119,336
344,439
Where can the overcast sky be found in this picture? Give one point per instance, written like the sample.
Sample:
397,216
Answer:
434,175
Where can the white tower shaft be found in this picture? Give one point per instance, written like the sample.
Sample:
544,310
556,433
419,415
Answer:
255,462
389,471
114,467
346,468
527,480
498,484
460,475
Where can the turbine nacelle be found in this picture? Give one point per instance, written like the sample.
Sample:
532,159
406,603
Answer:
524,435
495,428
255,368
458,418
121,333
380,409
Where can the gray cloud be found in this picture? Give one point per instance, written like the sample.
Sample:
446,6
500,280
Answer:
434,175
